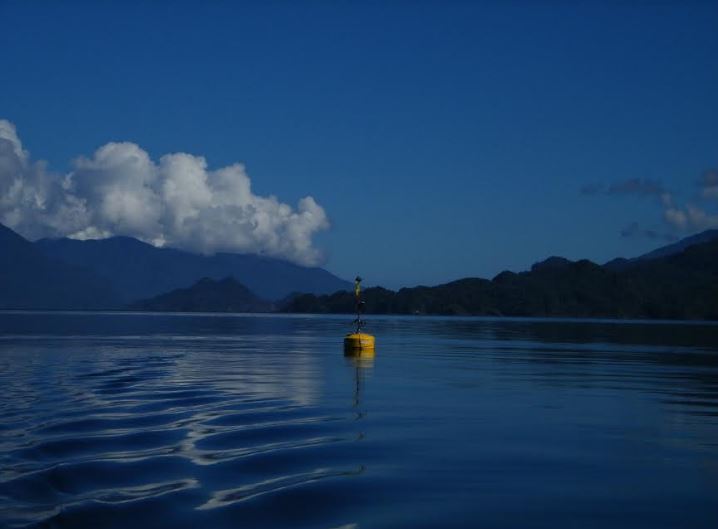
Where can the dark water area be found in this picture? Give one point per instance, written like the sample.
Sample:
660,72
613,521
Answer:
179,421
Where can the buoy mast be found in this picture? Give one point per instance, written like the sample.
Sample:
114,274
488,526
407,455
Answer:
358,342
359,305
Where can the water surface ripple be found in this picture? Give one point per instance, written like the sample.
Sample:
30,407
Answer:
112,420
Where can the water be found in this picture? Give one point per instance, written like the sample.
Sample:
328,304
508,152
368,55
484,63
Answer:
122,420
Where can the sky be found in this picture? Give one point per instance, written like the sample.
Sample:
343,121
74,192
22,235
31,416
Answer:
409,142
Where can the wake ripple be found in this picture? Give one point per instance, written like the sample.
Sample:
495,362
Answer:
99,442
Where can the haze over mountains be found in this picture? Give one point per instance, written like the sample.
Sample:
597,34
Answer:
139,270
31,280
111,273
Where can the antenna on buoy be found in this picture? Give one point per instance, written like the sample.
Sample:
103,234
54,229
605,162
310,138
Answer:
359,305
358,342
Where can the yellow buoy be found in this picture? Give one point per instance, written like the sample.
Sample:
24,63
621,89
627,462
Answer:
359,343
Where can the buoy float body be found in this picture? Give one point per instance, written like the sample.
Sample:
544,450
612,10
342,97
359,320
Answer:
358,343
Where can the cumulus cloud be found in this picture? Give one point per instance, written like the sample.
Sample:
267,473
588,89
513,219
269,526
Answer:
640,187
709,184
633,186
680,216
636,186
694,215
676,218
634,230
176,201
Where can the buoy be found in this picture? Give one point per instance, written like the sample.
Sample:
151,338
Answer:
357,342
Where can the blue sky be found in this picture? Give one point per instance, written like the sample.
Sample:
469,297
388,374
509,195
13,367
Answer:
443,140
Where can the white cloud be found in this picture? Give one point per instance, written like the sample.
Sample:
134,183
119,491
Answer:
709,184
676,218
699,214
177,201
701,219
692,216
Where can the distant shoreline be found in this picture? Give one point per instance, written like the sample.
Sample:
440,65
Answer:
678,282
468,317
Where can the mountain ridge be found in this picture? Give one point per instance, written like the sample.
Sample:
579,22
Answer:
140,270
676,281
31,280
681,285
667,250
679,246
206,295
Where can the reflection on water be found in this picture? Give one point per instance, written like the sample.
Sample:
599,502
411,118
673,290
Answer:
359,363
261,421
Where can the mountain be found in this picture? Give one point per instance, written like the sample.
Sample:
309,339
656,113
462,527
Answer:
139,271
682,285
31,280
207,295
552,262
678,247
621,263
679,281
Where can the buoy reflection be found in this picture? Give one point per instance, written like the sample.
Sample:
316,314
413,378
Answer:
361,361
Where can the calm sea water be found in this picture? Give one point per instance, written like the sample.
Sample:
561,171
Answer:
174,421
